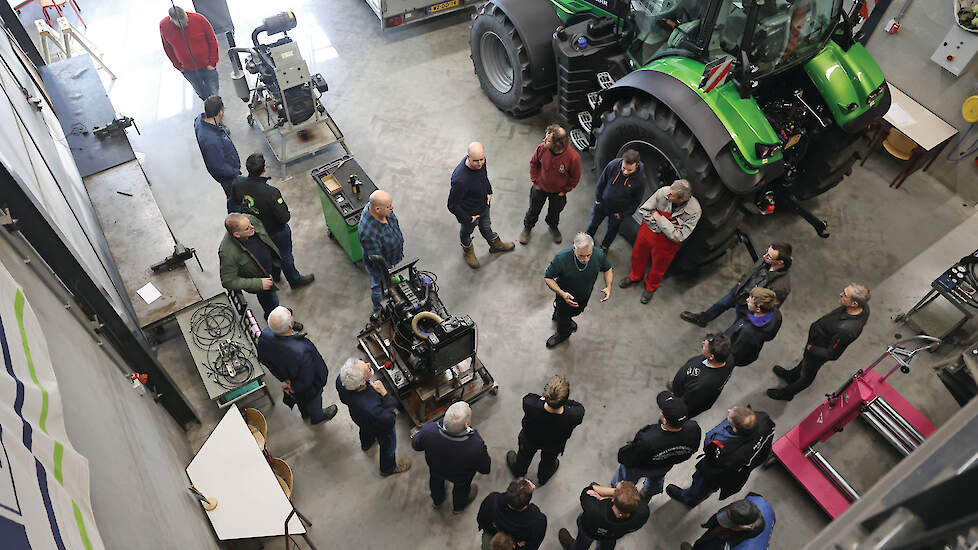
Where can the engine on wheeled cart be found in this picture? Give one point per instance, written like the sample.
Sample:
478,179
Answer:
425,356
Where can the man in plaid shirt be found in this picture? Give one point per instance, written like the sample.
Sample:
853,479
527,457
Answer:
380,234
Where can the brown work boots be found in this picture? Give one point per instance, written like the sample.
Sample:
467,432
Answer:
495,246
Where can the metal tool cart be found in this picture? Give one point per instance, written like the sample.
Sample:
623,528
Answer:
221,333
425,356
344,188
395,13
958,285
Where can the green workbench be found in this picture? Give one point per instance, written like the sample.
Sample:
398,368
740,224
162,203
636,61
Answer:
342,209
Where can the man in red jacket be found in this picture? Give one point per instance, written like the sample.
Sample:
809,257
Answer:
189,42
555,169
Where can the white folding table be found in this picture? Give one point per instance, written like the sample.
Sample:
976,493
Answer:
231,468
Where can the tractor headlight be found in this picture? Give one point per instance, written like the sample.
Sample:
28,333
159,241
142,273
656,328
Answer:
766,150
875,94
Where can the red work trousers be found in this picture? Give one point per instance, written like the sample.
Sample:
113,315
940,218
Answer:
654,247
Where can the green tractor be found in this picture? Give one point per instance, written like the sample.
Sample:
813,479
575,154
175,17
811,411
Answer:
758,103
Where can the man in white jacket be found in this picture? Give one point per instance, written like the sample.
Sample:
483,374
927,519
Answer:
669,217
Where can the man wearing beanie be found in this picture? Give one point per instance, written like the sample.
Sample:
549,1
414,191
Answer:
656,448
732,525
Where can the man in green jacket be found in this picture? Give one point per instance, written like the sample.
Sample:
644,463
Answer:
249,259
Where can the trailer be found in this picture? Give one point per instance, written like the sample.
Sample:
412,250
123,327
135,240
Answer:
397,13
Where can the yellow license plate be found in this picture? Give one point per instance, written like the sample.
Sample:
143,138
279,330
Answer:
442,6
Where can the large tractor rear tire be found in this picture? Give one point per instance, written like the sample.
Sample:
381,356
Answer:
502,64
829,162
669,149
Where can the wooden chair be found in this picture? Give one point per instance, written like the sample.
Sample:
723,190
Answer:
56,5
283,473
258,426
899,145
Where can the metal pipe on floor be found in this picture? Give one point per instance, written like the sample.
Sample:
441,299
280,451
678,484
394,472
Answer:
833,474
873,419
916,437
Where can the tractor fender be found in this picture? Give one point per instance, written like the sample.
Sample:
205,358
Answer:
699,117
535,21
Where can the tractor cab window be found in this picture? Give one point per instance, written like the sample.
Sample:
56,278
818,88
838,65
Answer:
661,25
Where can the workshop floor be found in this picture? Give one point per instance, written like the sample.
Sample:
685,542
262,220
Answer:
408,103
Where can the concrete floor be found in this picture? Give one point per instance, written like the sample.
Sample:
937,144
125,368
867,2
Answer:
408,102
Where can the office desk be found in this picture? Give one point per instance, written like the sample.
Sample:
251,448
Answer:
231,468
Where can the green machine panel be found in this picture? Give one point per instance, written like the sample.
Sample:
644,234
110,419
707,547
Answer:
342,202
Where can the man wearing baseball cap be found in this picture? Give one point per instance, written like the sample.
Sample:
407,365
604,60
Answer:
656,448
732,525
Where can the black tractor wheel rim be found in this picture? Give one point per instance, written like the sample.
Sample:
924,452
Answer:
496,65
664,169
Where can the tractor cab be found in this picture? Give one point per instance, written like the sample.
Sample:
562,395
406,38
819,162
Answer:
773,34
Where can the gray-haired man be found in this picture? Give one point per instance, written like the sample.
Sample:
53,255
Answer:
454,452
571,275
669,217
373,411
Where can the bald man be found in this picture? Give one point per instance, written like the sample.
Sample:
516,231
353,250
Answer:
469,200
380,235
292,358
250,260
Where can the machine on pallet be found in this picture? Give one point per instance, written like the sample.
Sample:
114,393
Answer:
286,100
865,394
425,356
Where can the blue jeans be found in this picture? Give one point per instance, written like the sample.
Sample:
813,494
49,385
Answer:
388,444
485,227
598,214
582,541
653,479
376,290
460,490
283,240
728,301
701,487
204,82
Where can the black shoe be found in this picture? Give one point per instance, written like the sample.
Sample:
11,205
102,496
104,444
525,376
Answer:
556,339
328,414
573,326
779,395
675,492
626,282
784,373
685,546
647,296
691,317
565,538
511,462
473,492
297,326
303,281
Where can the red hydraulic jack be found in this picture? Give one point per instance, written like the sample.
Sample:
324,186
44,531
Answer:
865,394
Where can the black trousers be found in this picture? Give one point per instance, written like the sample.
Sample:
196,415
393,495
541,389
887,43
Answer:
525,453
460,490
803,374
563,314
537,199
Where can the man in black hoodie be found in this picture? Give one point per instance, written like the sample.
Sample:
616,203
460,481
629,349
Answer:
454,452
656,448
770,271
513,513
548,421
253,195
617,195
828,337
748,334
731,451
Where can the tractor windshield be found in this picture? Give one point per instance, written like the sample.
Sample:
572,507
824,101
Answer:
662,25
785,31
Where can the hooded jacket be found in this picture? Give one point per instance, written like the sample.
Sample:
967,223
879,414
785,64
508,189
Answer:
748,334
617,192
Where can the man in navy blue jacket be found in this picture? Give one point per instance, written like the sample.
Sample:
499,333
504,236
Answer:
220,156
469,200
373,411
295,361
454,452
617,195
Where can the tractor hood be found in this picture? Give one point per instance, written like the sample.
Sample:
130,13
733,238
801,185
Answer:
851,83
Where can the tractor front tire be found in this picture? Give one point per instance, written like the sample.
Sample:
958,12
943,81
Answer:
644,123
502,64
